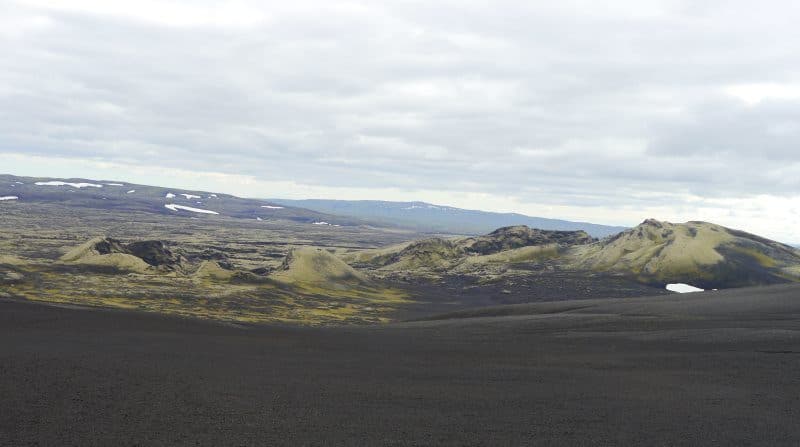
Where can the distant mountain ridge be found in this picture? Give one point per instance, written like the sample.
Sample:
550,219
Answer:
131,197
427,217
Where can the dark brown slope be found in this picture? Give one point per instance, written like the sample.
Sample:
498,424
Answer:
706,369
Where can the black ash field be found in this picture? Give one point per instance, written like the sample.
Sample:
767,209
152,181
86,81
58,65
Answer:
715,368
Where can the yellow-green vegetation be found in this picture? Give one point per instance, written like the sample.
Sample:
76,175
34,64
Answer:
516,255
429,254
664,251
10,260
211,295
373,256
213,271
254,271
221,271
315,266
118,261
657,248
84,250
760,257
87,254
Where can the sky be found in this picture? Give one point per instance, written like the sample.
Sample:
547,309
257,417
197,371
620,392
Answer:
675,110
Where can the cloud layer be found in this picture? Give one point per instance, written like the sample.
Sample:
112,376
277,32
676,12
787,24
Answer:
652,106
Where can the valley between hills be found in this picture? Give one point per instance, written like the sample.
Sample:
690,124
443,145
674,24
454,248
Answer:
67,243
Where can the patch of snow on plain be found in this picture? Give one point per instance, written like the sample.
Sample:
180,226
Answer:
259,219
114,184
683,288
74,185
175,207
212,195
19,183
131,191
170,195
320,223
9,198
190,196
270,207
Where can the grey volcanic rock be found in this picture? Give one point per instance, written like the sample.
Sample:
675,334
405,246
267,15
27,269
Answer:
508,238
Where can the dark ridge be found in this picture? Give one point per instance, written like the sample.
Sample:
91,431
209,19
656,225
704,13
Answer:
153,252
763,240
518,236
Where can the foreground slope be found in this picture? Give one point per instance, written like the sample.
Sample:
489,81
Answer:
715,368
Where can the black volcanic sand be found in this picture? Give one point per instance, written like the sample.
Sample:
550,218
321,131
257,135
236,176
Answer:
719,368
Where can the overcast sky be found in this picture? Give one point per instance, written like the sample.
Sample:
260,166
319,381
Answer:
567,109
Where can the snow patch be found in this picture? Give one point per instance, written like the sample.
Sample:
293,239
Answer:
270,207
114,184
212,195
74,185
190,196
8,198
131,191
320,223
259,219
175,207
683,288
170,195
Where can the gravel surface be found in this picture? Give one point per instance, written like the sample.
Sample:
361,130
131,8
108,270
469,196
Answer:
718,368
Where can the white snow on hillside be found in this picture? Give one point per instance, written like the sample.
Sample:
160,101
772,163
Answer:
320,223
212,195
190,196
170,195
683,288
114,184
9,198
131,191
74,185
270,207
175,207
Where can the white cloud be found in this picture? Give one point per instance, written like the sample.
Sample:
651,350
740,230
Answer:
755,93
671,109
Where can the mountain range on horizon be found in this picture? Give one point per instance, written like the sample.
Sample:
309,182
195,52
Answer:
417,216
414,216
430,218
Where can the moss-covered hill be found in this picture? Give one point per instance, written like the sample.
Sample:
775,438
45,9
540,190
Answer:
701,253
655,253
